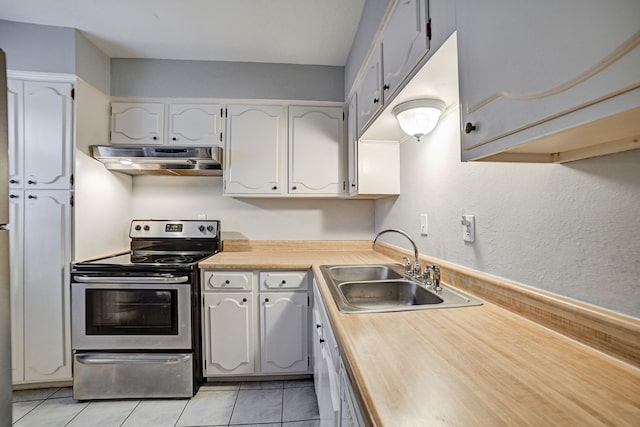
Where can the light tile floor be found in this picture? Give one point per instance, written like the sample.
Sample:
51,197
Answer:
290,403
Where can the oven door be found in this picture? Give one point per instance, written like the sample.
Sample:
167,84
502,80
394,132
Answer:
131,313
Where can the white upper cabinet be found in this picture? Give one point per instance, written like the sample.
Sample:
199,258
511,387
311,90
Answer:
370,99
40,134
546,80
137,123
352,145
404,42
193,124
253,149
316,137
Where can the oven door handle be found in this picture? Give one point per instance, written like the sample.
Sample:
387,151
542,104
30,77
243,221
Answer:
166,359
129,280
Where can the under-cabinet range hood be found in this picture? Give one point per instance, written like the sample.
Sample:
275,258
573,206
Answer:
160,159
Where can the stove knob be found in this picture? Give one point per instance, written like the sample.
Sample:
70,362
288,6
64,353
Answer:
138,228
210,228
201,228
146,228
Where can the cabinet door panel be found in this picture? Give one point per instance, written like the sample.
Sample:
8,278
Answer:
194,124
284,332
137,123
316,150
370,92
46,286
47,134
404,42
525,63
15,131
270,281
229,333
16,270
253,149
232,280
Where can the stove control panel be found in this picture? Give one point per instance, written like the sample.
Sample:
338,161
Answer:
174,229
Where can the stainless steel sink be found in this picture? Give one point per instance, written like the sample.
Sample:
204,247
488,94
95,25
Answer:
381,288
362,273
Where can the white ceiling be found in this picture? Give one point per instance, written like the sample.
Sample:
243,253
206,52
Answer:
280,31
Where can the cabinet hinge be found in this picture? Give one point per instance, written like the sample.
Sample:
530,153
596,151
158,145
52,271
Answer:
72,200
308,361
71,180
73,93
308,301
429,29
226,112
221,112
343,116
220,136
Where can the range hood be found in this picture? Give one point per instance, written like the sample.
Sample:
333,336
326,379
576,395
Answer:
160,159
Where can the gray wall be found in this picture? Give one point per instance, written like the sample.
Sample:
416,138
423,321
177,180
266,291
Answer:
571,229
92,65
214,79
49,49
38,48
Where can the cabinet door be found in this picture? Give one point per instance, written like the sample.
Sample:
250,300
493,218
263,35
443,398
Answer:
370,99
15,131
526,63
194,124
228,333
316,137
404,43
253,153
284,332
16,268
137,123
48,155
47,257
352,145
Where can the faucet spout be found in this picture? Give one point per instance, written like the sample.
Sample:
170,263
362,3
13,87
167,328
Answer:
416,263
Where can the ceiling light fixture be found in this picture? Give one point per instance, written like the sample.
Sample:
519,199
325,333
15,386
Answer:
418,117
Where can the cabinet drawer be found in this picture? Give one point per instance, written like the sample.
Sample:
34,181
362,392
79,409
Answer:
220,280
286,281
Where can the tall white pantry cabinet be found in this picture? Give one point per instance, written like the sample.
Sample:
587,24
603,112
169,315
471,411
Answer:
40,179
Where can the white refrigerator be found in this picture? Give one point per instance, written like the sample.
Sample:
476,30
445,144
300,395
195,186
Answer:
5,298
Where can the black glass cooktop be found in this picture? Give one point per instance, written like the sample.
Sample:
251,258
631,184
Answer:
144,260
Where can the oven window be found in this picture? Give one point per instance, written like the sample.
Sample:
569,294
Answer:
131,312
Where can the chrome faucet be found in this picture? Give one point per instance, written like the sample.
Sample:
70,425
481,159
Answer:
416,263
436,278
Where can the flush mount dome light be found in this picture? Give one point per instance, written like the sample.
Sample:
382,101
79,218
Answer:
418,117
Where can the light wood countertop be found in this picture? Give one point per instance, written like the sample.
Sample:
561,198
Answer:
462,366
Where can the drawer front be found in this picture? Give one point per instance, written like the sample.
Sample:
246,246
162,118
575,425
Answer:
273,281
232,280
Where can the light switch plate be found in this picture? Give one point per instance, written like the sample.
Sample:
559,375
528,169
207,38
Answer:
424,224
469,228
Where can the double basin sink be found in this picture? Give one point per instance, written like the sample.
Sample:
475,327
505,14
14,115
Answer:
385,287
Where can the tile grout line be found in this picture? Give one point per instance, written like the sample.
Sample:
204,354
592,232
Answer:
127,417
235,402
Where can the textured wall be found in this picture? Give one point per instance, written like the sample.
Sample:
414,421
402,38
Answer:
572,229
160,197
215,79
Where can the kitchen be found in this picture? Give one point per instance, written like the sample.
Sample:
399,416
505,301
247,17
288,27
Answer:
581,213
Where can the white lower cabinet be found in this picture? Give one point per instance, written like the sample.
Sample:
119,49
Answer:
283,332
336,402
228,327
242,338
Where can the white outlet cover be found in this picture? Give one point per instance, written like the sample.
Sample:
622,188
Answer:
469,231
424,224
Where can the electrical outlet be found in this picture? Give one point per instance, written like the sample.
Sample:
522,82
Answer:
468,228
424,224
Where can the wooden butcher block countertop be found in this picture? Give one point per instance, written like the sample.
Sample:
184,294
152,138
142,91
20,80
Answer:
471,366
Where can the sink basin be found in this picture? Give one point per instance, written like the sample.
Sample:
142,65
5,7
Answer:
379,288
387,294
362,273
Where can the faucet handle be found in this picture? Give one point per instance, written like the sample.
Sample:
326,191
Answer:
407,265
436,278
426,276
416,269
